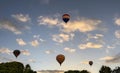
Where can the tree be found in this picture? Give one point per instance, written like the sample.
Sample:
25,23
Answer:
72,71
11,67
116,70
28,69
105,69
77,71
84,71
15,67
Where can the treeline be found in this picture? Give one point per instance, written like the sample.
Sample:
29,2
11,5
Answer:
15,67
104,69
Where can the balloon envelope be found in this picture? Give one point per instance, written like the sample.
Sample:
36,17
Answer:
66,18
60,58
90,63
16,53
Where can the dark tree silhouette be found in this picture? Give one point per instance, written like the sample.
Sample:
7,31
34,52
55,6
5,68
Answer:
15,67
116,70
84,71
77,71
28,69
72,71
105,69
11,67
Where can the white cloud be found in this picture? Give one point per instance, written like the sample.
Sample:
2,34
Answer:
21,17
89,45
25,52
49,51
31,60
110,47
70,50
84,25
5,50
117,21
38,38
117,34
34,43
106,58
60,38
47,21
21,42
9,26
96,36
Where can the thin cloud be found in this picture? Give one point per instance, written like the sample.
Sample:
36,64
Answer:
84,62
21,17
60,38
38,38
115,59
7,25
70,50
49,51
47,21
31,60
90,45
34,43
110,47
96,37
84,25
21,42
106,58
5,51
25,52
4,58
117,21
117,34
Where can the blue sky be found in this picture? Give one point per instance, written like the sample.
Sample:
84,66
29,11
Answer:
36,28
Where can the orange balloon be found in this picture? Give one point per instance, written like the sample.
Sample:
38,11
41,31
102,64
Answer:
60,58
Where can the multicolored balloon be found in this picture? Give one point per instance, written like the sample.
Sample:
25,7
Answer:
16,53
66,18
60,58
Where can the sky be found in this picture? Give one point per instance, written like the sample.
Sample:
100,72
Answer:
36,28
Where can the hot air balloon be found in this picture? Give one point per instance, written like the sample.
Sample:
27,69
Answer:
90,63
60,58
16,53
66,18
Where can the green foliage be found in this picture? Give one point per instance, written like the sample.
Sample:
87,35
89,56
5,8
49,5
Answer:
84,71
15,67
105,69
72,71
116,70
